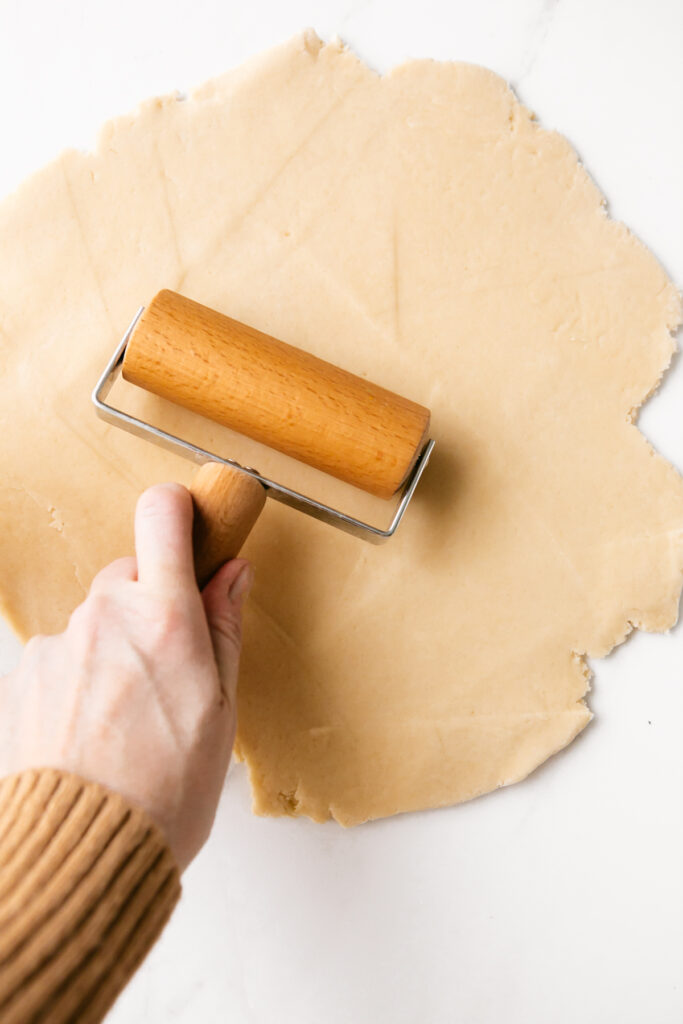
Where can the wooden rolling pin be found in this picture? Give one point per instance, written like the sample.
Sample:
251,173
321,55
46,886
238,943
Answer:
276,394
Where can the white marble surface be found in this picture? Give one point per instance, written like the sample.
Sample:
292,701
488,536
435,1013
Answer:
559,900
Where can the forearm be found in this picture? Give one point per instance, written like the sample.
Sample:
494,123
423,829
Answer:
87,883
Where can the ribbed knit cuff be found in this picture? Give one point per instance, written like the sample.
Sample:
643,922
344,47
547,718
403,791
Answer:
87,882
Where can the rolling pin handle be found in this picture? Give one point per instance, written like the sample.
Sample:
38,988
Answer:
227,503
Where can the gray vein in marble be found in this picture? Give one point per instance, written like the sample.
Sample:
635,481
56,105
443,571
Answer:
539,34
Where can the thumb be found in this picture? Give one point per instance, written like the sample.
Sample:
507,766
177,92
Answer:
223,597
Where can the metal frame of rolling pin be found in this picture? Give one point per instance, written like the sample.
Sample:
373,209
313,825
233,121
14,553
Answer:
325,513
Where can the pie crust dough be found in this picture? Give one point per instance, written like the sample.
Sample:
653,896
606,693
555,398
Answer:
422,230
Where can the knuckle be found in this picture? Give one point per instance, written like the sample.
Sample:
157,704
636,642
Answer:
170,618
34,652
33,646
86,621
166,626
229,629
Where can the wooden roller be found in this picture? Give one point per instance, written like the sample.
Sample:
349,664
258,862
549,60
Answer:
276,394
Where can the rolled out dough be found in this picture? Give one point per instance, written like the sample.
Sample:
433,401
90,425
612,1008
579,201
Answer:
422,230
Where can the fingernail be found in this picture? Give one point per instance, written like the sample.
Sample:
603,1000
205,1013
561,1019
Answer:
241,585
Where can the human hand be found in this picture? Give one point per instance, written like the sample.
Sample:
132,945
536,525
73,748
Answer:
138,693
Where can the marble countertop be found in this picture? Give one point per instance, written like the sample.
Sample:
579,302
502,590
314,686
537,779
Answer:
557,900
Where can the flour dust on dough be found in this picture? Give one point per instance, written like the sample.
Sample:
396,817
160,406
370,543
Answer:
420,229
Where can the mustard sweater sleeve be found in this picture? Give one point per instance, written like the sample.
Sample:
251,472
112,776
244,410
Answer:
87,883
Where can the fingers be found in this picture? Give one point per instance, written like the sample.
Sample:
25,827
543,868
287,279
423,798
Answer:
223,599
163,537
123,569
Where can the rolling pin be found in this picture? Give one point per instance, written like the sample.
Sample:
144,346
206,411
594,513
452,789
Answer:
273,393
